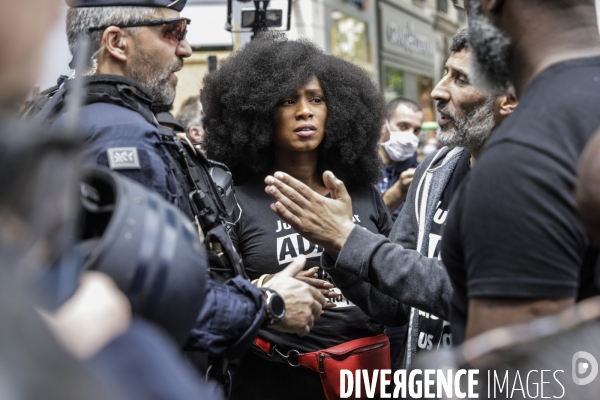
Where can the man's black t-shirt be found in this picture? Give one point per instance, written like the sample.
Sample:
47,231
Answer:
513,231
435,333
268,245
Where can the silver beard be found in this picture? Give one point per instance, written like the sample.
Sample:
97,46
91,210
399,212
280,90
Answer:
491,51
471,131
154,78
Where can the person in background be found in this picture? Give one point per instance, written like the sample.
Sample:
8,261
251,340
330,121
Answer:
398,151
190,117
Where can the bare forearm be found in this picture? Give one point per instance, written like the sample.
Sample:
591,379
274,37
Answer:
392,200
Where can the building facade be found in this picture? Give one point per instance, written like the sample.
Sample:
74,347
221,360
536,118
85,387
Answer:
414,37
347,28
402,44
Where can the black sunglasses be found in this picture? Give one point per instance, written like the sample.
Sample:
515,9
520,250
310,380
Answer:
176,29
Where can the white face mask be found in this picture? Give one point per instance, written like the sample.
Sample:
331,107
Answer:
402,144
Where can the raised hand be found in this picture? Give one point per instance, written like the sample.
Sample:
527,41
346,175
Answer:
324,221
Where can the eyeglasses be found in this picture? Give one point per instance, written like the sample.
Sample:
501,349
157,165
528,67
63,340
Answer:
176,27
459,4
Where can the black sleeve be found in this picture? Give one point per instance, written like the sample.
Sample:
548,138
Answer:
371,301
368,298
406,275
384,221
519,230
230,318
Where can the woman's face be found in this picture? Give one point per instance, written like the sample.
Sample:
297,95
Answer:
300,119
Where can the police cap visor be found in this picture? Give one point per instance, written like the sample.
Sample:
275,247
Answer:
172,4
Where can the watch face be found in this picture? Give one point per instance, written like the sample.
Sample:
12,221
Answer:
277,306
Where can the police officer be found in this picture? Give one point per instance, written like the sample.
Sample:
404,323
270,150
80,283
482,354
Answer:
137,46
124,357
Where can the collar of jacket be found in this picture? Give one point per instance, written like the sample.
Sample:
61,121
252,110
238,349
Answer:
120,91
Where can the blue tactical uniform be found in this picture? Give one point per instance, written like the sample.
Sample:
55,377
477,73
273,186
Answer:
122,140
121,133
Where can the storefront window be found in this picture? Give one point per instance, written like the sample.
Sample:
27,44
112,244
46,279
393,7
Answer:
394,83
425,86
349,39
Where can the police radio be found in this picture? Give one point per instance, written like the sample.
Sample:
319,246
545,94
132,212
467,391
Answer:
224,181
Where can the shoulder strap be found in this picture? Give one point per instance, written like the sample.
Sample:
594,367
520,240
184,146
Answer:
99,89
198,193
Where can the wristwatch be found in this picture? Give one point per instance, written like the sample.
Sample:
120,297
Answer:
274,305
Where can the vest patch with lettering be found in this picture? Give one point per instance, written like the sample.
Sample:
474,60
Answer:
123,158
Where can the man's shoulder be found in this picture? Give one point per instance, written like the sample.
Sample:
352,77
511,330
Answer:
556,115
112,114
103,121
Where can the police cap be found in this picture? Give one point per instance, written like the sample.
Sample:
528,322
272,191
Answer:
173,4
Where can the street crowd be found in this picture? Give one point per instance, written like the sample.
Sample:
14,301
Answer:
287,225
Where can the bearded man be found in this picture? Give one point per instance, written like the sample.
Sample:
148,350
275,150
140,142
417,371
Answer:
514,246
137,47
406,268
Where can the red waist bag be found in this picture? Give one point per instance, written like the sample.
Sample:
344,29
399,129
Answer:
368,353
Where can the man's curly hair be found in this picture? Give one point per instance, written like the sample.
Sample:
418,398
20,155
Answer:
240,101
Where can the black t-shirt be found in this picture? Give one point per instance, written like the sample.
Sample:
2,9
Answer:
434,333
513,231
268,245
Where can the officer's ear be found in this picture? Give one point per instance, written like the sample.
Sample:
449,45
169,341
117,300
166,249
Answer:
114,43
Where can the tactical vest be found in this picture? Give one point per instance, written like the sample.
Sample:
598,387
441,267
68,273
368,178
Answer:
207,204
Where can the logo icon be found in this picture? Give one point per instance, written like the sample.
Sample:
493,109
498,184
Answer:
123,158
584,364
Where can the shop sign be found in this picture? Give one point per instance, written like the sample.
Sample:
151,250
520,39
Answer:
409,40
361,4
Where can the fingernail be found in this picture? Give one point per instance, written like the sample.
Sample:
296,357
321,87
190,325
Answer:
278,175
269,180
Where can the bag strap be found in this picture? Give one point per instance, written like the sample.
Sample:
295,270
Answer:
314,360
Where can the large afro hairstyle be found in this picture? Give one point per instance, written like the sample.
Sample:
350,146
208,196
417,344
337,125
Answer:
240,101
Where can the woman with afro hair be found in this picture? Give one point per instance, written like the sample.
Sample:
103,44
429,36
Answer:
279,105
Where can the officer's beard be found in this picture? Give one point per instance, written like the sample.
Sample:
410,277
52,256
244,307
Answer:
471,130
491,51
154,77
